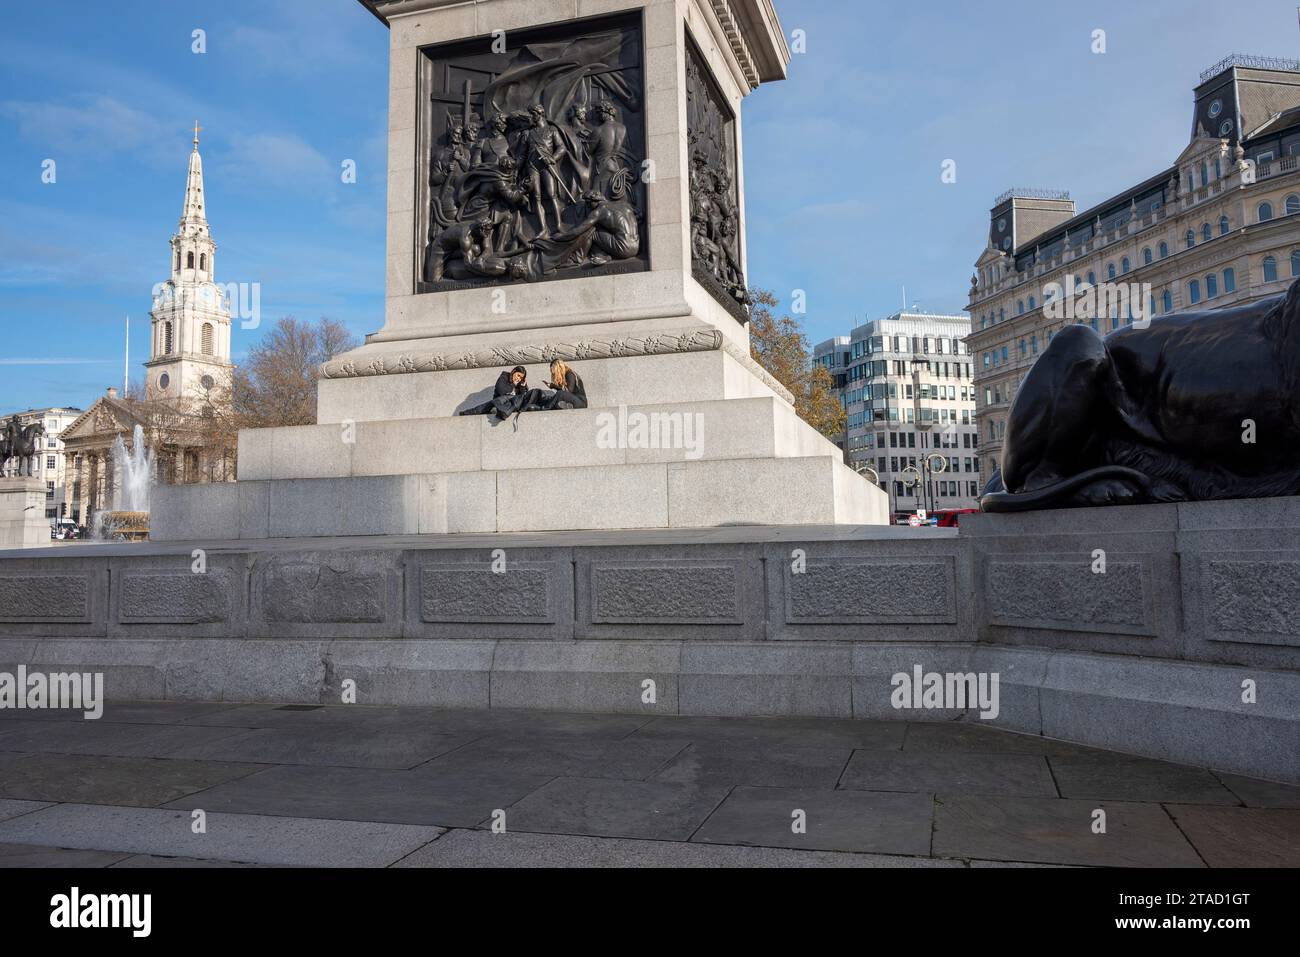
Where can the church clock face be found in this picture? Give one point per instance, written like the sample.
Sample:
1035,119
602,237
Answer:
208,382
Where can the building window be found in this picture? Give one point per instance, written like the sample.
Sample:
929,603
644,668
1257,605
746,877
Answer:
1230,277
1002,315
189,260
203,260
1167,301
1146,256
1110,271
49,462
1295,263
1194,291
1224,226
1092,278
1205,173
1020,307
1265,212
167,338
1164,250
49,490
1206,232
1270,269
1033,304
1211,286
207,339
178,260
1125,266
1191,238
1292,204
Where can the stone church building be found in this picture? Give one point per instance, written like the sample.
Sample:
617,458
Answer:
187,384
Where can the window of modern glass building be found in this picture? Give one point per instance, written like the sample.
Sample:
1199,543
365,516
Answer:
1270,269
1194,291
1264,212
1230,277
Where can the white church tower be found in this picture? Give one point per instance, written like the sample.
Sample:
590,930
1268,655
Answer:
189,352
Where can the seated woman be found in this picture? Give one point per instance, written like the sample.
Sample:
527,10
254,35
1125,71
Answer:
569,392
511,396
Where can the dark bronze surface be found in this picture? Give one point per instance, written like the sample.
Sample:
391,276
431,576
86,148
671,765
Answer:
715,198
1195,406
20,444
531,164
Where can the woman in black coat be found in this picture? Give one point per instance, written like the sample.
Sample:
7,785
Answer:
568,387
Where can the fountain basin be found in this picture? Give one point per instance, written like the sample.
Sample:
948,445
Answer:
126,526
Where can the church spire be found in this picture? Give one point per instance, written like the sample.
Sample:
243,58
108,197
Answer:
193,214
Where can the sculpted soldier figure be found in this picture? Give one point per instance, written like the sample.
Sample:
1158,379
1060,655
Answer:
544,149
494,145
608,146
494,199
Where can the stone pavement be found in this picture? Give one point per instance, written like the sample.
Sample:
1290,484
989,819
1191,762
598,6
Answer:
375,787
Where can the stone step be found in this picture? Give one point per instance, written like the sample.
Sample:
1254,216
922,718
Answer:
803,490
756,428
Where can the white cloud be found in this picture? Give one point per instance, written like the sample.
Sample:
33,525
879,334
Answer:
89,123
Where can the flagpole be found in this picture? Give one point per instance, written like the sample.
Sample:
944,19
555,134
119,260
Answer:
126,361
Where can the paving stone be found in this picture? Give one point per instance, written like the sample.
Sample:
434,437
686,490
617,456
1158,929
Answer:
976,738
154,861
10,808
603,808
231,837
561,755
1057,831
1119,777
462,848
364,747
949,773
119,740
1242,836
713,762
423,796
863,821
34,855
794,732
94,779
1256,793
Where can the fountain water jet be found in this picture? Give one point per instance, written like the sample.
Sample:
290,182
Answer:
129,518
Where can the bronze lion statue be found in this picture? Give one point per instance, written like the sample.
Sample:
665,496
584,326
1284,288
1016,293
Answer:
1188,407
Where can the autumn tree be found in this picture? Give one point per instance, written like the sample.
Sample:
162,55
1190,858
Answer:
781,347
276,385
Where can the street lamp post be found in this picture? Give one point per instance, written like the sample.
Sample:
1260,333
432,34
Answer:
923,482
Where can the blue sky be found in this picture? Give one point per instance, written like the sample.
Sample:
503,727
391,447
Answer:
843,160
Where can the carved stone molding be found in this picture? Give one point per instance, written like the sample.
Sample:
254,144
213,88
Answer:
698,339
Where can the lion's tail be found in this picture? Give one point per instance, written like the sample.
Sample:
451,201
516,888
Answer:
1059,493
